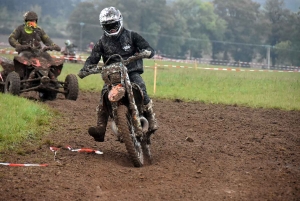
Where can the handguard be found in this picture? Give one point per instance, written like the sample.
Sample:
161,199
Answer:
141,55
85,72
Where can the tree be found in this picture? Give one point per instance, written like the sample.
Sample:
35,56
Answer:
288,49
200,27
83,25
280,29
244,31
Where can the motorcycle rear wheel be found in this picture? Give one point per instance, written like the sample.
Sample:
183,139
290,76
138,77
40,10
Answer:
133,146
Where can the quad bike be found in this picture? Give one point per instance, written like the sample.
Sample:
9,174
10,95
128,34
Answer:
124,102
17,76
69,57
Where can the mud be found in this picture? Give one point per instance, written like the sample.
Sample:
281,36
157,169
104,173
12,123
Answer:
200,152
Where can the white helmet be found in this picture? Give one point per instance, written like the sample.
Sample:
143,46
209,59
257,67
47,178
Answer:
68,42
111,21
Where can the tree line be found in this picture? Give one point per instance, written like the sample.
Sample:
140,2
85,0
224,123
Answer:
240,30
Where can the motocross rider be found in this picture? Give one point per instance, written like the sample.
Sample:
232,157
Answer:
30,35
69,49
118,40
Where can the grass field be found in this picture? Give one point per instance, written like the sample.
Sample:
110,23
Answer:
252,89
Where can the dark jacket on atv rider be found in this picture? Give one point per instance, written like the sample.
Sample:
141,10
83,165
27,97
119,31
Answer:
118,40
33,39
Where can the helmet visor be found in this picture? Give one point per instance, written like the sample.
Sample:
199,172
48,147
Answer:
112,27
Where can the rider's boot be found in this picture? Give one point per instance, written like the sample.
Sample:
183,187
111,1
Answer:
98,132
150,115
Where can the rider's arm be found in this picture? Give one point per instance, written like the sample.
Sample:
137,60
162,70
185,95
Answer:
142,44
94,58
13,37
47,40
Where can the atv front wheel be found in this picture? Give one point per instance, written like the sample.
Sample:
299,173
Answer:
12,84
71,87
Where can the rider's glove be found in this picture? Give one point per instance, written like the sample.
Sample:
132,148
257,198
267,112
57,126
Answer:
81,74
144,53
20,48
52,47
136,56
55,47
46,48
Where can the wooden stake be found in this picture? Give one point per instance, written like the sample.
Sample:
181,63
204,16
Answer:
155,73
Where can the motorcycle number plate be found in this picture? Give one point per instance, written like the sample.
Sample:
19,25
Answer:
116,93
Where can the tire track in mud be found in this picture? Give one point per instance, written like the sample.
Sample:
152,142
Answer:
236,153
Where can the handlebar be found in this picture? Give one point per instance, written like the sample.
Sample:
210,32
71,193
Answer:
92,70
21,48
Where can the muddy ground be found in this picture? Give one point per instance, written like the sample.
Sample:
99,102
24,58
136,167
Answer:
237,153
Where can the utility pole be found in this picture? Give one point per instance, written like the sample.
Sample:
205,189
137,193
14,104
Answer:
81,25
268,55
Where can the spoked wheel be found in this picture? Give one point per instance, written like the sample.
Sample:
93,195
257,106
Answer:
133,146
12,84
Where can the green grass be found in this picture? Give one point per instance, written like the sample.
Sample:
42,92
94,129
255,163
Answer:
254,89
21,120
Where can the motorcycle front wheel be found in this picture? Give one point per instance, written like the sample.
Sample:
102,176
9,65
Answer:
125,127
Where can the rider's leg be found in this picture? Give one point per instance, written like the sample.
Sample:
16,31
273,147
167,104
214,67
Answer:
148,105
98,132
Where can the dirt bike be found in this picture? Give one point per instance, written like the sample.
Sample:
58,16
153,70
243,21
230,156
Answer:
124,102
16,79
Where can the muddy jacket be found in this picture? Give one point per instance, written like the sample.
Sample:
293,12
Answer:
126,45
20,37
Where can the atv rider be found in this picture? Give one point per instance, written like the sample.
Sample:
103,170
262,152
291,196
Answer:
69,49
29,35
118,40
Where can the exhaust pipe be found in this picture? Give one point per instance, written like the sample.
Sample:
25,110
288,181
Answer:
144,124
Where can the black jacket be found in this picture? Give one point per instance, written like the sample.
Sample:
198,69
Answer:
127,44
20,37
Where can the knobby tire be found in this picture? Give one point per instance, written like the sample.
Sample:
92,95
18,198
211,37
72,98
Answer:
124,127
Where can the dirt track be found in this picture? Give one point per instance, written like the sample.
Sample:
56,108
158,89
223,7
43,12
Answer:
238,153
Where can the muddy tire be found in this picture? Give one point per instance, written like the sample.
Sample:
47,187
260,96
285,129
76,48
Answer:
71,87
133,147
12,84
